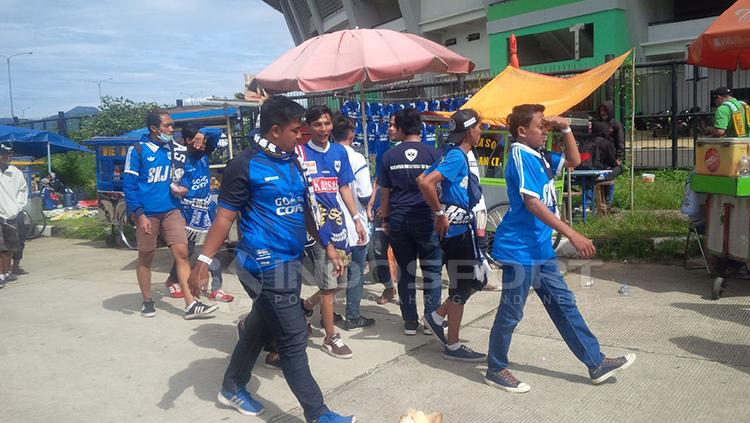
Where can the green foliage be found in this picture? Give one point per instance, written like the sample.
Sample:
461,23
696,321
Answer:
90,228
77,170
116,116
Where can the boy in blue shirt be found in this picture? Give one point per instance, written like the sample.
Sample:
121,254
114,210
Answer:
523,244
198,207
454,224
267,188
153,204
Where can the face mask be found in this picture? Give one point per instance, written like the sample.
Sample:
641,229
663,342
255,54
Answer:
165,137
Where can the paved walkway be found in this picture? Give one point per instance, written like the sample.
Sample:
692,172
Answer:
74,348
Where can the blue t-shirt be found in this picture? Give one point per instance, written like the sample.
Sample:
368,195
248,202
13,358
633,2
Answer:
399,169
523,238
329,169
147,178
454,186
269,193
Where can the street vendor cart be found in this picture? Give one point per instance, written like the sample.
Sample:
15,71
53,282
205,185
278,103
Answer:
727,206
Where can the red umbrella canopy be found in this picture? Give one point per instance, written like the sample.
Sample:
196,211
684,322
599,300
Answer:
726,43
344,58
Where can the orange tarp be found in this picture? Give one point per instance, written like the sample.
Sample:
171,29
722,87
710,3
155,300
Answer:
512,87
726,43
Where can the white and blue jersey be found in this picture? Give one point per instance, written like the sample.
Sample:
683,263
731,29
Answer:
269,193
329,169
454,187
522,238
197,180
147,179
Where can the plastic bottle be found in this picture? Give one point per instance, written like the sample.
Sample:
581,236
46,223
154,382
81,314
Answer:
624,290
743,167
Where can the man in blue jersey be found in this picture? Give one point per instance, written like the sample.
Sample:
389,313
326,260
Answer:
523,244
408,219
327,164
198,207
154,205
455,225
361,187
266,187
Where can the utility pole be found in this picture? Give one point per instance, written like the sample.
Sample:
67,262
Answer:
10,85
98,83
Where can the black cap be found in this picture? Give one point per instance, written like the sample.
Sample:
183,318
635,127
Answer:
721,91
460,122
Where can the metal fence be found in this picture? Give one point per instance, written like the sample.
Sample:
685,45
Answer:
60,124
672,107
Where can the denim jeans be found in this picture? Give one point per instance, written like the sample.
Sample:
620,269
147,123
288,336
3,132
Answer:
412,240
276,315
381,272
557,299
214,268
355,279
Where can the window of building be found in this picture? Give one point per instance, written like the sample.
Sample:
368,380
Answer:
571,43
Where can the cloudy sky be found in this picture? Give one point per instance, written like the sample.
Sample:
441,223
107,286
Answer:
155,50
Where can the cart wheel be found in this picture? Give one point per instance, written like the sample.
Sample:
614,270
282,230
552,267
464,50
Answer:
718,288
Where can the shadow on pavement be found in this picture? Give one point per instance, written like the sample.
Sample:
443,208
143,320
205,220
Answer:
715,351
131,304
204,376
735,313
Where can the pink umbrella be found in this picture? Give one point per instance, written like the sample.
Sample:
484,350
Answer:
345,58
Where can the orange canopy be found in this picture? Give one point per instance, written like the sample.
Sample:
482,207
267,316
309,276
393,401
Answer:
513,86
726,43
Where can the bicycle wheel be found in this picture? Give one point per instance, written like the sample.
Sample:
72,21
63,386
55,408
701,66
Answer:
34,227
127,235
494,217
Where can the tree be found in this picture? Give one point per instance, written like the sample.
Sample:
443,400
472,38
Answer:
116,116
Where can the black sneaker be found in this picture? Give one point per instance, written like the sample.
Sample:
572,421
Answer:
410,327
198,310
506,381
609,367
19,271
437,330
359,322
148,309
10,277
274,364
337,318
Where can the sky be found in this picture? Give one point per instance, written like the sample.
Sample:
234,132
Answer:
155,50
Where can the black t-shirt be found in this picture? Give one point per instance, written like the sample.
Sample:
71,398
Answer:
399,169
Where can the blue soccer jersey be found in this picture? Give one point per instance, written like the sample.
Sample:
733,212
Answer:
147,179
523,238
454,187
329,169
269,193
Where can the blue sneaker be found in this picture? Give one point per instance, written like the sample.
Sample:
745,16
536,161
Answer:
436,329
242,401
506,381
464,353
609,367
331,417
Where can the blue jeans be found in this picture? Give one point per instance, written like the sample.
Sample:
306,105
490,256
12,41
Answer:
557,299
276,315
411,240
381,272
355,278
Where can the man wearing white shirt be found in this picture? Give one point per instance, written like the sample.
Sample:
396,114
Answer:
343,133
13,199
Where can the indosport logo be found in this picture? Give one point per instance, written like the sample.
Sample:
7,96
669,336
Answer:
286,206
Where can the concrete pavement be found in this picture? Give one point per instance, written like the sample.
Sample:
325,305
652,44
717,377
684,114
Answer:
73,347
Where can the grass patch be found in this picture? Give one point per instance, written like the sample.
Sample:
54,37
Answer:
629,235
90,228
665,193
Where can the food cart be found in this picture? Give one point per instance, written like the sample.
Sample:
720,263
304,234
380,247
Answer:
111,153
727,235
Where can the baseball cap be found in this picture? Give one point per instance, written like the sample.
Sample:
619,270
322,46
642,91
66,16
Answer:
460,122
721,91
5,149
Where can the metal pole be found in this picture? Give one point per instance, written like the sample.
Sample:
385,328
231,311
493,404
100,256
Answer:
673,116
363,115
99,84
10,89
632,131
49,159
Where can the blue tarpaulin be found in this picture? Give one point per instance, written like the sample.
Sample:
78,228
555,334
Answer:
32,142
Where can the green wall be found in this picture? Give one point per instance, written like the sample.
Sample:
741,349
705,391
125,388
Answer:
610,36
519,7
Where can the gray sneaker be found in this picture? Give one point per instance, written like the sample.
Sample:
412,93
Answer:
335,347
